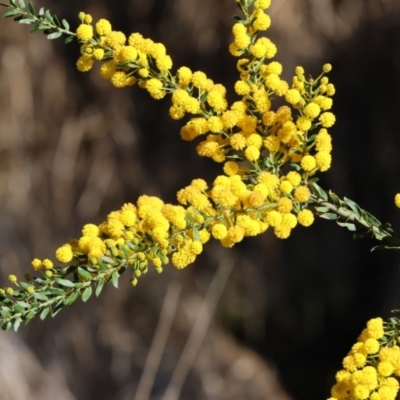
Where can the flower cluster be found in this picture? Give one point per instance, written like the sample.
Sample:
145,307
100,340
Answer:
372,367
269,154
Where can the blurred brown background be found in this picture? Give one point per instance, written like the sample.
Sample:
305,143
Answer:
72,148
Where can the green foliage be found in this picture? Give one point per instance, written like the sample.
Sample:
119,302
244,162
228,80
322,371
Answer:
47,296
42,20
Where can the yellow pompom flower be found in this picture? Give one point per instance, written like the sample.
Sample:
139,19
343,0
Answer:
47,264
118,79
385,368
293,96
231,168
84,32
371,346
305,217
327,68
242,88
37,264
303,124
12,278
98,54
397,200
312,110
294,178
323,160
286,187
238,141
302,194
184,76
103,27
274,218
87,19
84,63
284,205
30,289
327,119
262,22
219,231
308,163
64,254
252,153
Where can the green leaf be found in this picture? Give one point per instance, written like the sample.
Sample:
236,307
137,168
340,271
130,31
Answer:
330,216
31,8
27,21
5,5
65,24
48,17
21,3
13,3
86,294
353,206
107,259
34,29
10,13
19,308
348,225
71,298
189,217
57,308
65,282
54,35
99,287
69,39
41,11
318,191
334,198
40,296
114,278
23,304
84,273
44,313
17,323
322,209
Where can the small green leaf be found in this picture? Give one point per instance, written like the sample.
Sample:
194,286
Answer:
44,313
99,287
41,11
21,3
348,225
17,323
40,296
27,21
5,5
329,216
10,13
54,35
114,278
34,29
65,282
65,24
86,294
48,17
31,8
19,308
107,259
334,198
71,299
322,209
57,308
13,3
84,273
353,206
